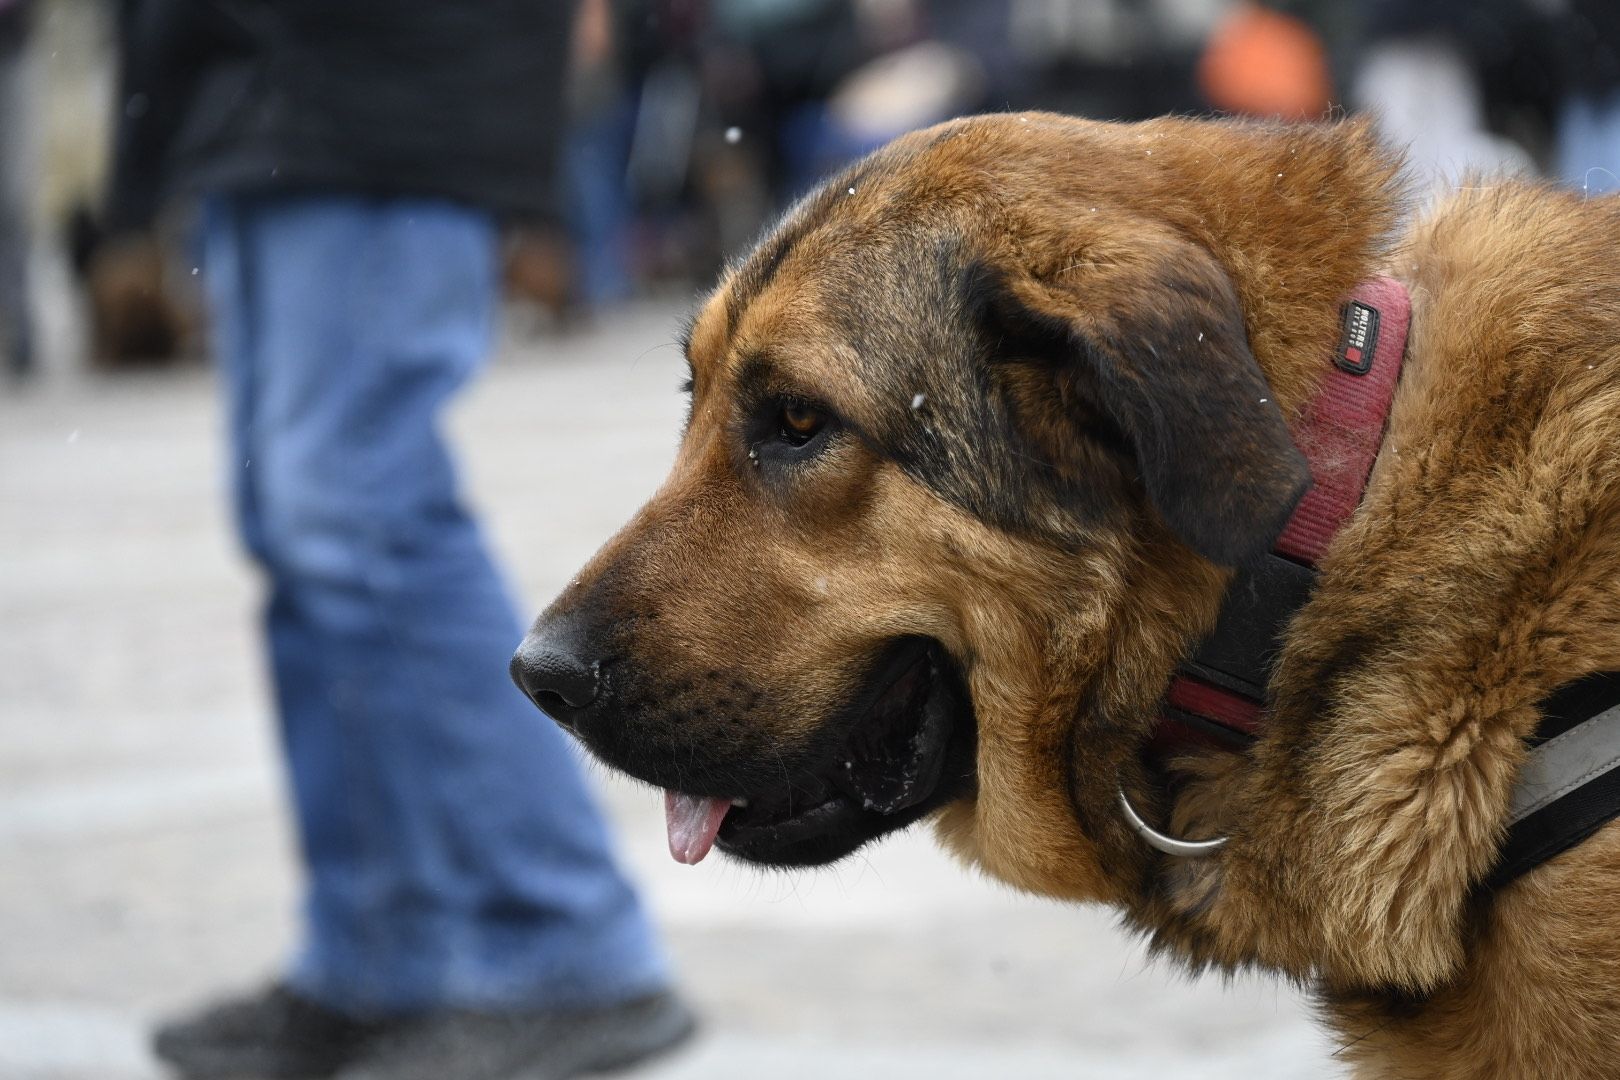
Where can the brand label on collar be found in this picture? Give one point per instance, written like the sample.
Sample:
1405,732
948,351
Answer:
1360,338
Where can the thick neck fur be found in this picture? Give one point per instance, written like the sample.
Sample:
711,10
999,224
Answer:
1297,216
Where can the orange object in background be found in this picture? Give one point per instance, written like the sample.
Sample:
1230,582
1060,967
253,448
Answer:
1265,63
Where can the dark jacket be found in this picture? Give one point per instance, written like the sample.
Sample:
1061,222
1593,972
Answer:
455,98
14,19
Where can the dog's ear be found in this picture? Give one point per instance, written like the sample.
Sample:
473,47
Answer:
1152,342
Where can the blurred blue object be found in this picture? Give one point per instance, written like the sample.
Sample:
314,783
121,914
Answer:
1589,142
595,156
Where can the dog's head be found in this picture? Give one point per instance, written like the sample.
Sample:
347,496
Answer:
973,433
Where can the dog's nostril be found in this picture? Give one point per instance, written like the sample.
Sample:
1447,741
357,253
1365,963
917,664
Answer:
554,707
555,679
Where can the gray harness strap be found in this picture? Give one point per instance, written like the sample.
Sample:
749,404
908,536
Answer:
1569,785
1565,762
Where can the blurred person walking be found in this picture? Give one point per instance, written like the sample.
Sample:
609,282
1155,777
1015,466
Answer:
463,918
16,188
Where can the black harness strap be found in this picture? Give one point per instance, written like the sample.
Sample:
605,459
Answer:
1238,654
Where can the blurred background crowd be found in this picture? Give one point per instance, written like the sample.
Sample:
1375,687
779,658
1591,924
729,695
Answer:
688,123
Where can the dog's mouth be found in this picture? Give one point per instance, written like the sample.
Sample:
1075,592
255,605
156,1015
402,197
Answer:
909,750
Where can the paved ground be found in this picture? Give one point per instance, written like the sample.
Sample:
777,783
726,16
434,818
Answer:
144,858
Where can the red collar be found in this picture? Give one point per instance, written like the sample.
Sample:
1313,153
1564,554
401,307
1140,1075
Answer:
1218,696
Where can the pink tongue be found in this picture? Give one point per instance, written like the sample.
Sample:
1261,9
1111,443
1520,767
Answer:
693,823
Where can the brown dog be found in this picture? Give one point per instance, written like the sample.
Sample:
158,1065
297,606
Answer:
976,433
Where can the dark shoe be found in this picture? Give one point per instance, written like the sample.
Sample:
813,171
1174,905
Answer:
552,1044
273,1035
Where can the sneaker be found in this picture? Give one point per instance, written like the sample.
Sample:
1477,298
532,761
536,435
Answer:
272,1035
550,1044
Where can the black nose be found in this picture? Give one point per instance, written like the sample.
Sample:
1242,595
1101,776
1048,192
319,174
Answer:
556,677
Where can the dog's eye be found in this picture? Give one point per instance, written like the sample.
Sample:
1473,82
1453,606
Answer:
797,423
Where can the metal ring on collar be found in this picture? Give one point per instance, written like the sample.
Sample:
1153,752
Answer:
1190,849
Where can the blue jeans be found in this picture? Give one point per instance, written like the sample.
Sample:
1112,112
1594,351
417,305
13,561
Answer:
454,857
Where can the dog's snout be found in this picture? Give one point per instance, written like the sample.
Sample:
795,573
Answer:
555,674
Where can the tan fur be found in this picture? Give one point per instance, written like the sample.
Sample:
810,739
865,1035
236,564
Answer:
1481,572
